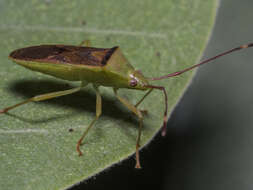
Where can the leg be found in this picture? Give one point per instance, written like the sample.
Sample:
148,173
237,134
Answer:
139,114
139,102
85,43
98,113
44,97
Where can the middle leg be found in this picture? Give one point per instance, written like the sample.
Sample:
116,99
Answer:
98,113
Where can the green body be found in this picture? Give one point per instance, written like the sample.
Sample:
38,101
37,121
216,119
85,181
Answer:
117,72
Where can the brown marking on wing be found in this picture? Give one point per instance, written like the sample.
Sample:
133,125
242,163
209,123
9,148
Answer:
64,54
108,55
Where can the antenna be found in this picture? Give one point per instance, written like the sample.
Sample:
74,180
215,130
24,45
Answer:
202,63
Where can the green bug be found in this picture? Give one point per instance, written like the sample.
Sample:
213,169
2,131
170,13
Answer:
99,66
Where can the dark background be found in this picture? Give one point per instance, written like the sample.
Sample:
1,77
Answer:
210,134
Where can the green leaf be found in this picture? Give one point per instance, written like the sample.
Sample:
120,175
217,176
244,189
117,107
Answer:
37,151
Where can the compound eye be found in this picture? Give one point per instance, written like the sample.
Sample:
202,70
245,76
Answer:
133,82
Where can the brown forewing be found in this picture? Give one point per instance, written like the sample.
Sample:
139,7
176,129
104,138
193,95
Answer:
62,54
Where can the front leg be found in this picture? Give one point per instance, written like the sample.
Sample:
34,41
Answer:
145,95
139,115
145,112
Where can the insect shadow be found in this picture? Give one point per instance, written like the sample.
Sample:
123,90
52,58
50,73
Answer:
82,101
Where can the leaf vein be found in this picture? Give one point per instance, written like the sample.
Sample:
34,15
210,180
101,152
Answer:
84,30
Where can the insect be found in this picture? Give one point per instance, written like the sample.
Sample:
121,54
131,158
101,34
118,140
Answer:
100,67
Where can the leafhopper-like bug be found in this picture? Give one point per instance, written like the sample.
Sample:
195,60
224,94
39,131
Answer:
99,66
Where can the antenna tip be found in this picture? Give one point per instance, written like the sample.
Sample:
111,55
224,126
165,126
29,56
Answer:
246,46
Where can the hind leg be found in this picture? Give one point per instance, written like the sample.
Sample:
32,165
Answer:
45,97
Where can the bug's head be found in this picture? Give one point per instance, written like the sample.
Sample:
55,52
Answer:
137,80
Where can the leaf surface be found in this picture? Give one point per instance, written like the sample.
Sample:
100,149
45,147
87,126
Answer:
37,151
